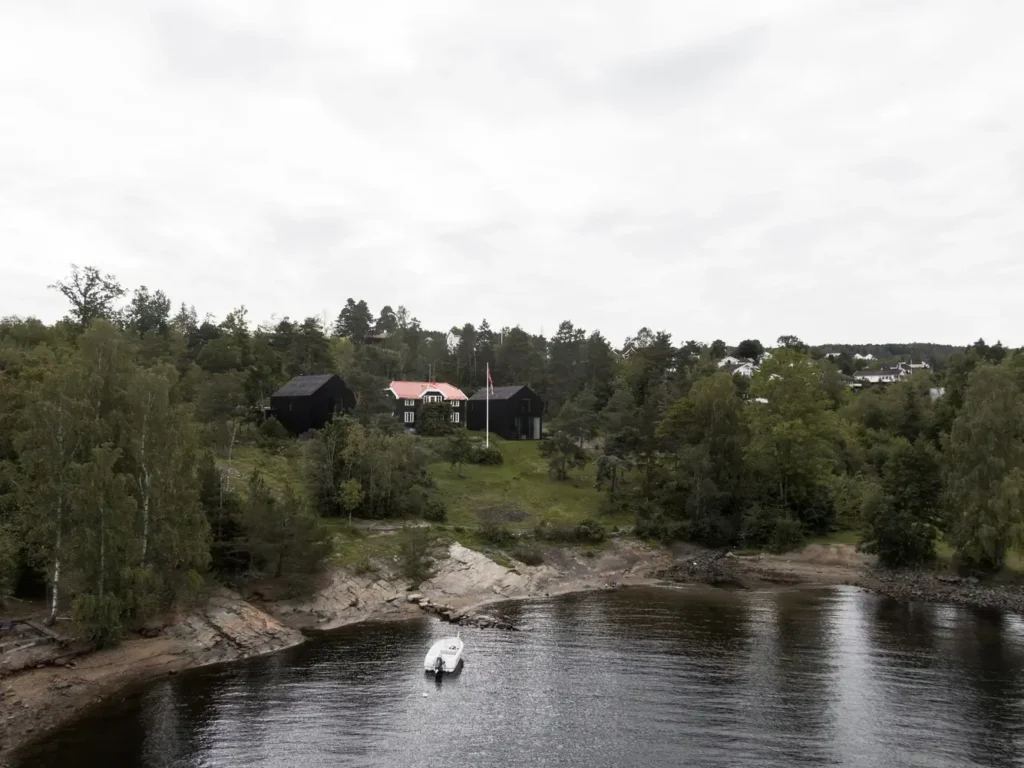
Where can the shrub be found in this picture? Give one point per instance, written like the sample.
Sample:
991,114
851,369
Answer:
758,525
592,531
435,511
527,555
420,503
488,455
587,532
787,535
415,545
433,420
494,532
272,429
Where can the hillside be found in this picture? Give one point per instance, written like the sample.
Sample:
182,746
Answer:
518,494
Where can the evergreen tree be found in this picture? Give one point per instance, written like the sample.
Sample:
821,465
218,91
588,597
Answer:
354,322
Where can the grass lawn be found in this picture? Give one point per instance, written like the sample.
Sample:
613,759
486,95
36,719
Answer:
278,468
522,480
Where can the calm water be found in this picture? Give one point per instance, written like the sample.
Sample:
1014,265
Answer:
633,678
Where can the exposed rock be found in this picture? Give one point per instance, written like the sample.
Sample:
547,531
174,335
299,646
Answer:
225,628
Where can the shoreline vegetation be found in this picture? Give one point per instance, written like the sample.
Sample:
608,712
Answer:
152,519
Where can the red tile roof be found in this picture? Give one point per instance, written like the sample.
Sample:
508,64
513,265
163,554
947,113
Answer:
414,390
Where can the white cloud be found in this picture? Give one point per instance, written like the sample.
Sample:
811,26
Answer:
840,170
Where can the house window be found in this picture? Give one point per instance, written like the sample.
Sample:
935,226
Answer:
432,398
410,417
455,418
410,403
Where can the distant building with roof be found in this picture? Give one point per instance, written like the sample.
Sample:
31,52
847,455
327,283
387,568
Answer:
309,402
410,396
517,412
738,365
882,375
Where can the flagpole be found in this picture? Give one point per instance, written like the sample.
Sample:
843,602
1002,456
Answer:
487,418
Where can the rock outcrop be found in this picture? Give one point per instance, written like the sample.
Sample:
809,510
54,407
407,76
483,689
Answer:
463,581
56,688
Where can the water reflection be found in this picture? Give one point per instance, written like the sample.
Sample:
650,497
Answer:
636,677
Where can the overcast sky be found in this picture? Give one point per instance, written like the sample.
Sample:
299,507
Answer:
842,170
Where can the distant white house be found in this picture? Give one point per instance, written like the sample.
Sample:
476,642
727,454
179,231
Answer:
881,375
936,392
737,365
921,366
868,357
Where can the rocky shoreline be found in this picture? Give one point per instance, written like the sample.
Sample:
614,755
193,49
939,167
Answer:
42,691
48,687
841,565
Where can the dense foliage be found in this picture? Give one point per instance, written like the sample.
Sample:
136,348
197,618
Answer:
119,428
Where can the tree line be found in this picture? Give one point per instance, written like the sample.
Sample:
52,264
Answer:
118,426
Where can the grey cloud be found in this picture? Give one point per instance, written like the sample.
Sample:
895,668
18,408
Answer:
894,169
196,46
313,232
667,79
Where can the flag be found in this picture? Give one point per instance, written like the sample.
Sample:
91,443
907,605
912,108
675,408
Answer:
490,381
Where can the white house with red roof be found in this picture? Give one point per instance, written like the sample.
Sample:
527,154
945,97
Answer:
410,395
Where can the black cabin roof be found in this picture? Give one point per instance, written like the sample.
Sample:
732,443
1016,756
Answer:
301,386
499,393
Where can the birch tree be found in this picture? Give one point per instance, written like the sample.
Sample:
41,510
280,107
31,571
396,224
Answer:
985,469
49,444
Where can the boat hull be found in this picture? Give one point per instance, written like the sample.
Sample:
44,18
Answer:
449,651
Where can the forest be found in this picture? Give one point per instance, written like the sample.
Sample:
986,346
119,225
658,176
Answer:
118,426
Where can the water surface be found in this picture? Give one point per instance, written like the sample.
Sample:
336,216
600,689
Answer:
640,677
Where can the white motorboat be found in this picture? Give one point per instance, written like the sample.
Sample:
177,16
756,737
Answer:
444,656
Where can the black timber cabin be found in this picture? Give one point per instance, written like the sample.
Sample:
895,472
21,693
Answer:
309,402
517,413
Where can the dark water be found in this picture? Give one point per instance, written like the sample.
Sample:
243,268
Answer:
632,678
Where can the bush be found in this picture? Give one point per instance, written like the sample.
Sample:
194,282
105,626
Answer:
528,555
488,455
494,532
432,420
899,538
758,525
435,511
587,532
420,503
787,535
415,545
272,429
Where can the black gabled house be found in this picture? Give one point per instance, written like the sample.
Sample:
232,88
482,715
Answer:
309,402
517,413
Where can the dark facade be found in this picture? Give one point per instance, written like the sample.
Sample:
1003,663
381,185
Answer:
517,413
309,402
408,411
